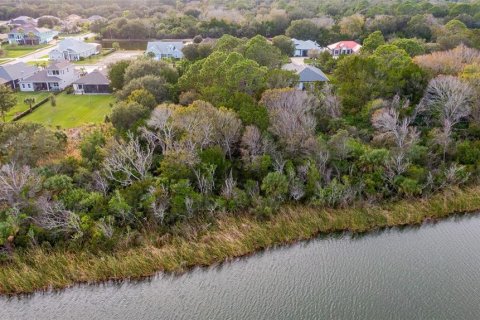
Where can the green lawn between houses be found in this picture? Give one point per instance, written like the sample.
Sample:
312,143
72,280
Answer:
18,51
72,111
21,106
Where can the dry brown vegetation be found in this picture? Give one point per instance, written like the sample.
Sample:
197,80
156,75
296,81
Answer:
451,62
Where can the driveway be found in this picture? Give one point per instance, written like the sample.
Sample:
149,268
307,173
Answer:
39,54
112,58
298,60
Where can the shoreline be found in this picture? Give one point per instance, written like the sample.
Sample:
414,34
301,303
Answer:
229,238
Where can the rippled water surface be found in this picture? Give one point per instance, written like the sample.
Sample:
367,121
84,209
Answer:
432,272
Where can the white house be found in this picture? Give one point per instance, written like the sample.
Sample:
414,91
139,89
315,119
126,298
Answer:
344,47
162,50
72,49
57,76
308,75
303,46
12,74
31,35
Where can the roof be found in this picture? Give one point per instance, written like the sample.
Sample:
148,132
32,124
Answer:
16,71
306,72
352,45
41,76
3,81
158,47
58,64
29,28
24,19
306,45
72,44
95,77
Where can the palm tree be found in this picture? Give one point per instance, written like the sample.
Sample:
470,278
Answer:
31,37
30,102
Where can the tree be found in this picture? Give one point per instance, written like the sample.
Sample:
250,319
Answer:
7,100
352,26
292,119
147,67
373,41
285,44
302,30
116,74
142,97
126,114
261,51
30,102
413,47
447,100
128,160
155,85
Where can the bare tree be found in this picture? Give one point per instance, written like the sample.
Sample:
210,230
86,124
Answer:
205,181
292,117
17,183
161,123
53,216
448,100
160,203
229,185
330,103
128,161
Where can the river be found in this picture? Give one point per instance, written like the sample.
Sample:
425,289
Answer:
430,272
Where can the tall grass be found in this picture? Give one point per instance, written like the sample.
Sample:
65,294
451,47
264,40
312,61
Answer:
229,237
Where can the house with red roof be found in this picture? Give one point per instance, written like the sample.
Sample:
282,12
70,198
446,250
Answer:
344,47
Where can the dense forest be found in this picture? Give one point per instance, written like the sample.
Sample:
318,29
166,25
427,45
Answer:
224,131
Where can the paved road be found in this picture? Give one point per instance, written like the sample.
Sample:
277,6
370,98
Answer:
39,54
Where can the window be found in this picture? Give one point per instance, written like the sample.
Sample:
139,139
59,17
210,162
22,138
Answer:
29,85
23,86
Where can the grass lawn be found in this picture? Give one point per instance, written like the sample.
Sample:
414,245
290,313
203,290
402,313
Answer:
72,111
94,59
18,51
21,106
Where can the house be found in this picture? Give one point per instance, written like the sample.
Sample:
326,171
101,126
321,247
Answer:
95,82
23,21
57,76
302,47
13,73
344,47
308,75
72,49
162,50
31,35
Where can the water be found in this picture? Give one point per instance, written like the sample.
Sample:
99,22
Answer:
432,272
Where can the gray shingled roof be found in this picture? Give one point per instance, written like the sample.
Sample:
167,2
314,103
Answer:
41,76
75,45
95,77
306,72
164,47
306,45
3,81
59,64
16,71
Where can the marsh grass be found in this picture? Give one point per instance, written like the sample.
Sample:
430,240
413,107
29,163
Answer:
227,238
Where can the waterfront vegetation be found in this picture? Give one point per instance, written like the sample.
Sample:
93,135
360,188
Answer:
211,240
218,154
